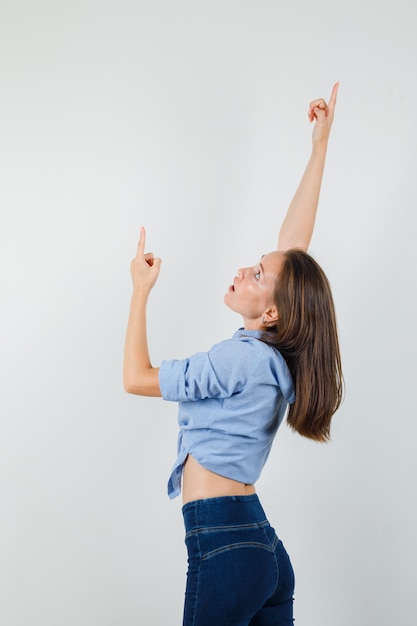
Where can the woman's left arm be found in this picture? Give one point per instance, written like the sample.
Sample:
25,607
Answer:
139,377
297,228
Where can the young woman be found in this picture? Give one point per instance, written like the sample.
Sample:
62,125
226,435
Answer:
232,400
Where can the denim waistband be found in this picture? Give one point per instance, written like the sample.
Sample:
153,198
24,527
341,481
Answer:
223,511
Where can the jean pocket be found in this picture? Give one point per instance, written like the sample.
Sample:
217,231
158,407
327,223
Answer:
241,545
214,543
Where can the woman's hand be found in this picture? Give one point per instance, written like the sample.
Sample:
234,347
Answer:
323,114
144,268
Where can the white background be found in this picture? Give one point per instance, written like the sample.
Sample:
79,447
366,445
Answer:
191,118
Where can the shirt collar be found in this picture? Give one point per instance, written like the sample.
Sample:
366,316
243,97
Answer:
243,332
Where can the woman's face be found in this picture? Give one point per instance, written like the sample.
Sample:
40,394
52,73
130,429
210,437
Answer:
252,292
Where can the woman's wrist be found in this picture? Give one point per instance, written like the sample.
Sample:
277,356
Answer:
319,148
140,295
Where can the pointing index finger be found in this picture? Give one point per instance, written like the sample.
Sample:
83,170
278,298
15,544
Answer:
141,242
333,96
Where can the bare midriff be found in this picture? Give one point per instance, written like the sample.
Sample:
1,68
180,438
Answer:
199,483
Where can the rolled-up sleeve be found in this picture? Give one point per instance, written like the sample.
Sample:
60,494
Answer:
219,373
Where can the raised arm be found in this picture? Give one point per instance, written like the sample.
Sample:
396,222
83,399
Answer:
139,377
297,228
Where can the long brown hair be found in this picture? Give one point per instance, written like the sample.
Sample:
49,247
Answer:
306,336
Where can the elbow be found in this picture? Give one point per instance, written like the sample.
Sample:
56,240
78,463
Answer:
131,384
128,386
142,383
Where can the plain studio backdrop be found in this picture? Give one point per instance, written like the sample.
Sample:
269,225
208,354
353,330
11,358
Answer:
191,118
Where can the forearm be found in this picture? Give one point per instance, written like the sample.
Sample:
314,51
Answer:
139,377
298,225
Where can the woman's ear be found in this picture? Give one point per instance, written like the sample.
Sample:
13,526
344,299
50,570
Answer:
270,317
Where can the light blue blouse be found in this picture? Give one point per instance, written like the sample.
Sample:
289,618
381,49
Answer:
232,400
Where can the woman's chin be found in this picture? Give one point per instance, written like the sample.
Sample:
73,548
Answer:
227,299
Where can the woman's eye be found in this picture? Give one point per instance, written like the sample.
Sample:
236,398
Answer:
258,275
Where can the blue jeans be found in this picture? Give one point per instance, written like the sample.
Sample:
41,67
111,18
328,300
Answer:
239,573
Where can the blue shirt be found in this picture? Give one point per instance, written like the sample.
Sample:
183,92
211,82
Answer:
232,400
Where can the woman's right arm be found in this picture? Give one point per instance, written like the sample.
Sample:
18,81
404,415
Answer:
139,377
297,228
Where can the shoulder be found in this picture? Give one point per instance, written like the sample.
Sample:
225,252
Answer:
218,373
240,349
249,359
267,364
